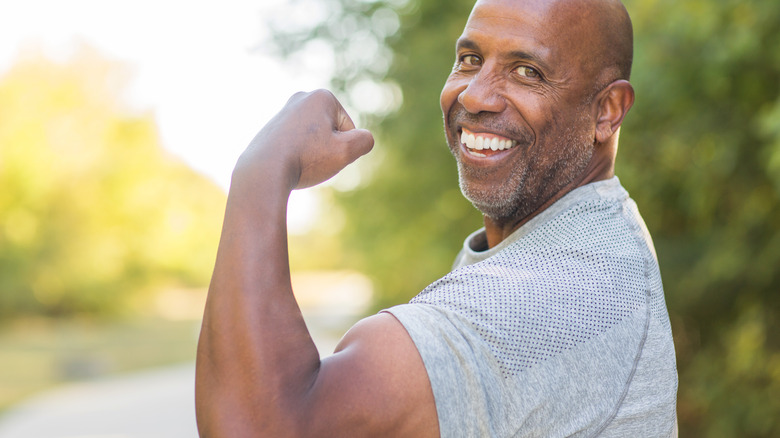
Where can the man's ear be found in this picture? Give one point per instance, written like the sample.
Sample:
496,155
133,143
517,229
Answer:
614,102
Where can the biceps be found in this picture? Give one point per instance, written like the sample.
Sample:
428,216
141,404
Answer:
375,385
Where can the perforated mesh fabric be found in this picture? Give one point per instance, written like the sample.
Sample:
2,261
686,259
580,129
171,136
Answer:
566,281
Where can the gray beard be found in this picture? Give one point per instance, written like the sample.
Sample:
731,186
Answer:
500,202
529,188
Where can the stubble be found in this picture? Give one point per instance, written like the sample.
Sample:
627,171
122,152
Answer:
537,179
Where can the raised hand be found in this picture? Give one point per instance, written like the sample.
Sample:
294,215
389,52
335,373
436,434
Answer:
311,139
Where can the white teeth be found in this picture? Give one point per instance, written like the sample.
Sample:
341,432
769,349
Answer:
478,142
468,139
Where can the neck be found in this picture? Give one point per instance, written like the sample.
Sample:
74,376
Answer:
496,230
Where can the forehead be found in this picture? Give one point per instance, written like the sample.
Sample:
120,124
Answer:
542,27
510,10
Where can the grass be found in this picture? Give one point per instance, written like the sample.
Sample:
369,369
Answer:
37,354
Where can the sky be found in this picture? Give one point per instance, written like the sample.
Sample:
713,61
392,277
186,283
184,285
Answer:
198,65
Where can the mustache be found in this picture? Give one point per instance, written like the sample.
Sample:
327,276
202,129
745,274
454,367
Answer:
489,122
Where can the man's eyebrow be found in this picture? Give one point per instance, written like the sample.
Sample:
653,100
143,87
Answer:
464,43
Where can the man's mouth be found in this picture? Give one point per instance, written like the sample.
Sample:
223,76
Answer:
483,145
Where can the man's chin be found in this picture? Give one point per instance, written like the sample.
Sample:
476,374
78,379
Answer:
495,207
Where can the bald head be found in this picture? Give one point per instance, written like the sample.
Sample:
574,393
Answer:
598,32
607,28
619,38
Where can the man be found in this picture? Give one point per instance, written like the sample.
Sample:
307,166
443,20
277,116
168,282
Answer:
553,321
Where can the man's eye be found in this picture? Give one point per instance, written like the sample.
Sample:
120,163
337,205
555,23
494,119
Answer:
471,60
528,72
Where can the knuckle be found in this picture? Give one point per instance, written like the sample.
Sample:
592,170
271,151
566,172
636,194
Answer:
323,94
297,96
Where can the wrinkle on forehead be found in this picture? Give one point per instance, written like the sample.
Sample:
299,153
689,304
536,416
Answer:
596,32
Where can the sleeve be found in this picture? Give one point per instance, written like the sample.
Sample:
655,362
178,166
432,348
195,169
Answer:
466,380
576,393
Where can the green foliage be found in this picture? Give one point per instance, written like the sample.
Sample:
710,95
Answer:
700,153
95,214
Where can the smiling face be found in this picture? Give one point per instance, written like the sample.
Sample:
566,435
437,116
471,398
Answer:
518,105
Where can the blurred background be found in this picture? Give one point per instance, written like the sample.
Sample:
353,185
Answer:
120,122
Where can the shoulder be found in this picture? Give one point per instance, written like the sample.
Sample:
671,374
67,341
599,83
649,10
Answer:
374,384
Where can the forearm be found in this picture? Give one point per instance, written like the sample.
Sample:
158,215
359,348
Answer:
255,355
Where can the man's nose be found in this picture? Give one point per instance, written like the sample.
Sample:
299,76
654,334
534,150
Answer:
483,93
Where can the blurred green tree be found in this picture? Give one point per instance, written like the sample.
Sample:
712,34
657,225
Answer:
95,215
700,153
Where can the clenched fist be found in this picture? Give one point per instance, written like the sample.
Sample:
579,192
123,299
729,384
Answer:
309,141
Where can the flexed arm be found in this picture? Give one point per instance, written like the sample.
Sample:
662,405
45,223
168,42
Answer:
258,370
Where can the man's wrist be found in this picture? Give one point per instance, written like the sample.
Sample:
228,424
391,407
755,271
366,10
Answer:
263,175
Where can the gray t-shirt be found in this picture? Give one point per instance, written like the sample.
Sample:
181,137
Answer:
561,330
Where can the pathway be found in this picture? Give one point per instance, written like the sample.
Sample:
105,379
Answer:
152,404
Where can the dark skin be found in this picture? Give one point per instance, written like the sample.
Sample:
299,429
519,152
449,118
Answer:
509,82
258,371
